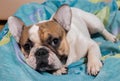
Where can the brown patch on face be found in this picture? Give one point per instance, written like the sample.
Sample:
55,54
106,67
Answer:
24,35
64,47
24,39
52,30
24,53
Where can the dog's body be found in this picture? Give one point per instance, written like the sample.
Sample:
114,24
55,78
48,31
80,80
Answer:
60,41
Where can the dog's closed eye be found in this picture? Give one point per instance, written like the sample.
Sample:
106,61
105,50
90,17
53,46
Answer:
28,45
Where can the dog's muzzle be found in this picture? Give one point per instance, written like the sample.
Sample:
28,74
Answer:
42,63
44,59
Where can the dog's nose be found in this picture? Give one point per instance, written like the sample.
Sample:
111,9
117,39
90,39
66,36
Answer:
41,52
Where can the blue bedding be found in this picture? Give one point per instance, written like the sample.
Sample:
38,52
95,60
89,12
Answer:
12,62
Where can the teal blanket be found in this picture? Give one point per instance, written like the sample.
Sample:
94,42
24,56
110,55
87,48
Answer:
12,62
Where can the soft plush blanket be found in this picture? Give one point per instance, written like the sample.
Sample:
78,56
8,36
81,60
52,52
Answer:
12,62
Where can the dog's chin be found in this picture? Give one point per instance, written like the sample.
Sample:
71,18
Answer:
46,69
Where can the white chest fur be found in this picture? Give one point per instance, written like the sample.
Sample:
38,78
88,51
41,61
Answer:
78,37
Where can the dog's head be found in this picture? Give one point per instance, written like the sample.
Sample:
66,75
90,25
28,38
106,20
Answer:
44,44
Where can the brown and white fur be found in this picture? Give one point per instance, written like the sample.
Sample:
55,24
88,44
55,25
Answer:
65,38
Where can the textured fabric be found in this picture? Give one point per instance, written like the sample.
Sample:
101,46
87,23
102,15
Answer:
12,62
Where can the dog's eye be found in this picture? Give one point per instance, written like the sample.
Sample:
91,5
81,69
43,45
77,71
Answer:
28,46
55,42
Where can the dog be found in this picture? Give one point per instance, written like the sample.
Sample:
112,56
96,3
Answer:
53,44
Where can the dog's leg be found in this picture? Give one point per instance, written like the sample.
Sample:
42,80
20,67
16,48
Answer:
100,29
96,26
61,71
94,64
108,35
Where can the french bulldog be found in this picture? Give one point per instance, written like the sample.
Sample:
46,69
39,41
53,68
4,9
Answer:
52,45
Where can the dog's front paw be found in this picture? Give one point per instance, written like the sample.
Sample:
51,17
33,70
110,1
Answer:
61,71
94,66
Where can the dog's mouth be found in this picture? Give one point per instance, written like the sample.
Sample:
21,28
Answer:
45,68
43,59
51,71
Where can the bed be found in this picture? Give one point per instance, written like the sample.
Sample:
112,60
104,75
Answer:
12,62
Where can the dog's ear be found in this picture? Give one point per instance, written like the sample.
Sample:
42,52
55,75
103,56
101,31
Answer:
15,26
63,16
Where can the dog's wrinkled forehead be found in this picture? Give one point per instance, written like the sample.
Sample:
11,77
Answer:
39,33
50,29
33,34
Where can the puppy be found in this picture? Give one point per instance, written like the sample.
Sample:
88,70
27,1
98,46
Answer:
53,44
